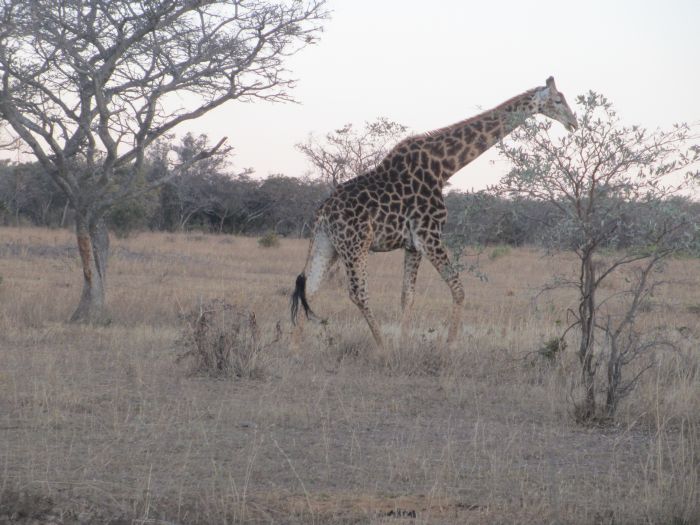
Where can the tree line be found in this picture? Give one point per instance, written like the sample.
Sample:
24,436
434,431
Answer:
210,196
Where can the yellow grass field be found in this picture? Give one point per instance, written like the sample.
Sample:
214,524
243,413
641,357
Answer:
105,425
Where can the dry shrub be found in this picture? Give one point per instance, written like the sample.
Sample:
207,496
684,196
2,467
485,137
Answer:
223,340
498,252
342,344
551,349
269,240
25,507
419,355
417,358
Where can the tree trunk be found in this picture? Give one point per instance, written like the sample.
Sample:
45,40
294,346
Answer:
587,311
614,380
45,209
65,212
93,246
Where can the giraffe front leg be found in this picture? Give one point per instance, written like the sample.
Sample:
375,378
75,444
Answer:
411,264
437,254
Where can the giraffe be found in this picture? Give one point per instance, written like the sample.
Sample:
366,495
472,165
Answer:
399,204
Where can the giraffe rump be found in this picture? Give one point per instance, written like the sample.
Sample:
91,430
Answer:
298,296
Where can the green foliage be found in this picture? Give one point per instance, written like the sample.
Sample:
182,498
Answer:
128,216
453,241
552,348
607,183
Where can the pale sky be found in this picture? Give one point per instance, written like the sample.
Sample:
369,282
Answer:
429,64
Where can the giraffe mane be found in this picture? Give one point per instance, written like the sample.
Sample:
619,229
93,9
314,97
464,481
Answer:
444,129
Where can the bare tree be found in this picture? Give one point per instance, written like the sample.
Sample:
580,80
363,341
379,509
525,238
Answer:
604,179
347,152
88,85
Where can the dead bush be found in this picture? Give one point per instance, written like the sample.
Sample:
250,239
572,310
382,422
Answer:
222,340
424,354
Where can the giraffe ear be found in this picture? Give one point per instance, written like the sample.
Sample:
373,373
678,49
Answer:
550,84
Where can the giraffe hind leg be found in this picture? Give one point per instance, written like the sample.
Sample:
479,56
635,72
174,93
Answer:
412,260
437,255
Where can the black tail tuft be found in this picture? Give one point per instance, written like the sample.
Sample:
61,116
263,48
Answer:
300,295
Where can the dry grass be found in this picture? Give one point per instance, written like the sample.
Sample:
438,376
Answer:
102,425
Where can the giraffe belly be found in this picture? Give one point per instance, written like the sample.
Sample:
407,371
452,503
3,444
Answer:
387,239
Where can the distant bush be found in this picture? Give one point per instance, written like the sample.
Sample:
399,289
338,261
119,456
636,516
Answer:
269,240
498,252
126,218
551,349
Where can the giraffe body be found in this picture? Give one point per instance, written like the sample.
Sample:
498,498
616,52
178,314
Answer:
399,204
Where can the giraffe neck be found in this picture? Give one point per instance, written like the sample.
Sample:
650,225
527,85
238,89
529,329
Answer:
457,145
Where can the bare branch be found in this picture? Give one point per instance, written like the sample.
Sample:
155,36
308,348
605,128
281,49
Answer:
100,82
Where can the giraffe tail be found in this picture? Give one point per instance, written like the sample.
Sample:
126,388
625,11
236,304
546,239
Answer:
299,296
319,259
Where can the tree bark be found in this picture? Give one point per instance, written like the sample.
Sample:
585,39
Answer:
65,212
93,246
614,379
587,312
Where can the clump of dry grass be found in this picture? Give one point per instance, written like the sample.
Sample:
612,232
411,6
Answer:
551,348
222,340
424,354
269,240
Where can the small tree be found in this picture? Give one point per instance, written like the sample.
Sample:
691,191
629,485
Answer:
612,187
89,85
347,152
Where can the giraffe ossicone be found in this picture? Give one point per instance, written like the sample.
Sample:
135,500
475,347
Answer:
399,204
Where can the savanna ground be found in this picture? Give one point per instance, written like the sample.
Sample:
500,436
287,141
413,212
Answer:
102,424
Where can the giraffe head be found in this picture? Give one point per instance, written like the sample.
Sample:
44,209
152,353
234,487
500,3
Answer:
552,104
